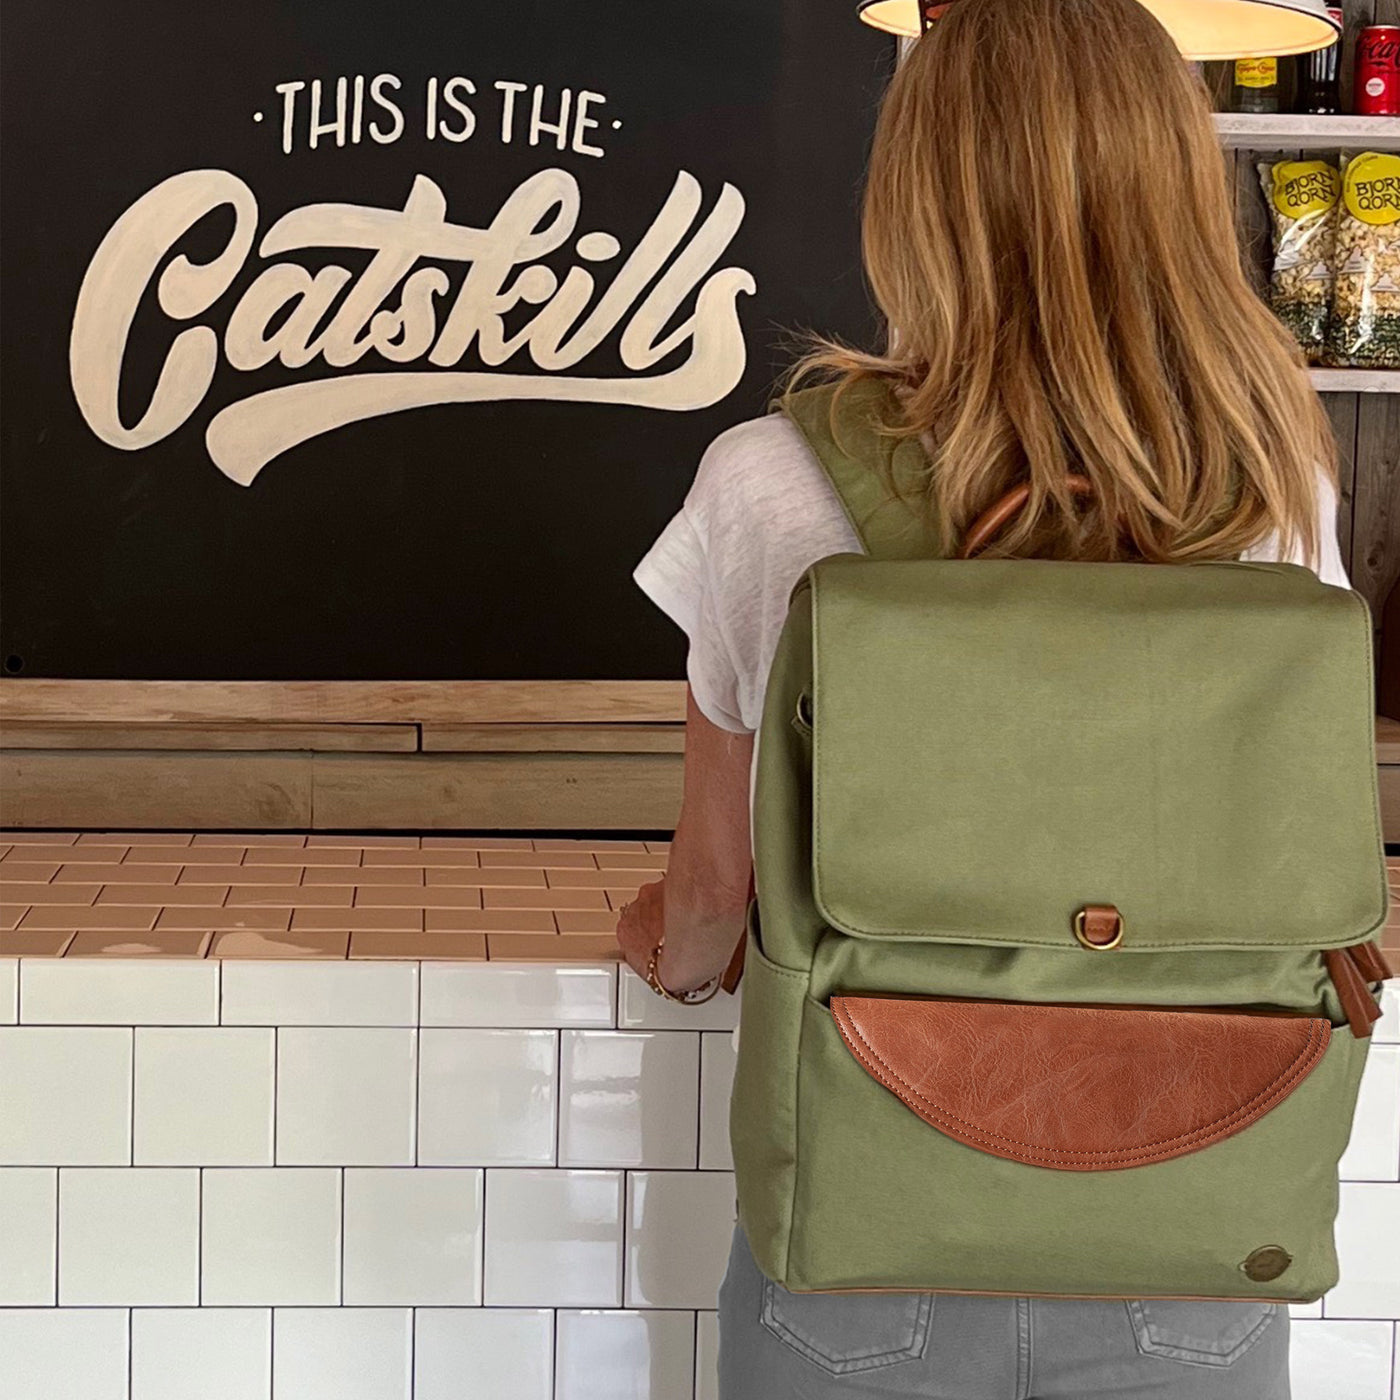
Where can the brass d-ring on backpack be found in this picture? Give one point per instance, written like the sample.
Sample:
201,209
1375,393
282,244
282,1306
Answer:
1059,977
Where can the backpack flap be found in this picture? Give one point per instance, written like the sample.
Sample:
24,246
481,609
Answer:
999,745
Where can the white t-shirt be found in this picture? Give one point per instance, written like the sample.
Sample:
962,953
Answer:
760,513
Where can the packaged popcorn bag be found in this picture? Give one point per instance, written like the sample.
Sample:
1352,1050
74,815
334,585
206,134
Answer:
1365,325
1302,200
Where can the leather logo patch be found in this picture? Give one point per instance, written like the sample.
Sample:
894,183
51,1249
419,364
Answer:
1267,1262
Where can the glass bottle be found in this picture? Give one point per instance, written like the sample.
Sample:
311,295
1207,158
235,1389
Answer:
1256,85
1318,87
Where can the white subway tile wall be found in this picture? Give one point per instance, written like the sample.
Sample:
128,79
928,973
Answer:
619,1355
9,991
717,1060
203,1097
28,1236
487,1097
201,1353
706,1356
503,995
678,1234
119,992
65,1353
307,1190
342,1354
483,1354
629,1098
1341,1360
1368,1241
65,1096
346,1096
412,1238
1373,1154
1386,1031
128,1236
554,1237
271,1236
319,994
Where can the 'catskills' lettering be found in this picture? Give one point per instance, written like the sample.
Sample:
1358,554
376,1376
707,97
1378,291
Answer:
278,316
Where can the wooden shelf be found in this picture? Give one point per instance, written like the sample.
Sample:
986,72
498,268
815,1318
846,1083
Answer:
1283,131
1355,381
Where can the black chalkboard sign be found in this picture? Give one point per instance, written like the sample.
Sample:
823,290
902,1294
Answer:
365,340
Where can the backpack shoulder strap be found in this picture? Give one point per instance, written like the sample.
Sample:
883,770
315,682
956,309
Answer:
844,433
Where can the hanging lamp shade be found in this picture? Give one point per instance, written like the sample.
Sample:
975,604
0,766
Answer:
1202,29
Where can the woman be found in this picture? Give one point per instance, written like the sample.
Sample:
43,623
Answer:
1048,232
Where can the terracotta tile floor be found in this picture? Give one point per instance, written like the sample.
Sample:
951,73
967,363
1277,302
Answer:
297,896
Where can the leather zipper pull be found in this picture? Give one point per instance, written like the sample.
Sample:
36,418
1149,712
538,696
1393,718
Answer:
1358,1004
1370,962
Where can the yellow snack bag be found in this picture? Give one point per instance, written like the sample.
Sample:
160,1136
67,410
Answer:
1302,200
1365,324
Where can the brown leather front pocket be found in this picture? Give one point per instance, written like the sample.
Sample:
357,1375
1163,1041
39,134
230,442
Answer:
1075,1087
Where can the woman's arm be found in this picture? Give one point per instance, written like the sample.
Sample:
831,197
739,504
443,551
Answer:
700,905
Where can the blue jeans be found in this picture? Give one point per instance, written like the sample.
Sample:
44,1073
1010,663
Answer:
776,1345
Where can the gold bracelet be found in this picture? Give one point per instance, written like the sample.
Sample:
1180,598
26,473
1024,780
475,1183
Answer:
697,997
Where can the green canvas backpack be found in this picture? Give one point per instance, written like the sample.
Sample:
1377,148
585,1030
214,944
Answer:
1058,979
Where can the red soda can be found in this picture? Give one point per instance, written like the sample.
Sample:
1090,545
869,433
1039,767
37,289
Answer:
1377,89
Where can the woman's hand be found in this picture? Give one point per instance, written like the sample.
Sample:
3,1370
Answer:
641,924
686,964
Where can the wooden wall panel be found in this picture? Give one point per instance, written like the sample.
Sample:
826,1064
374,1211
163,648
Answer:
1390,803
511,792
119,791
105,790
1375,536
1342,410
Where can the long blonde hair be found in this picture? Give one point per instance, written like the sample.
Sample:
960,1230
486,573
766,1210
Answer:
1048,231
